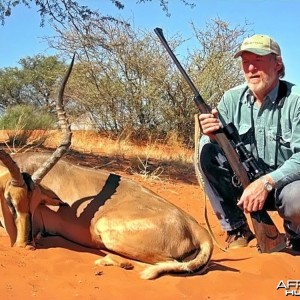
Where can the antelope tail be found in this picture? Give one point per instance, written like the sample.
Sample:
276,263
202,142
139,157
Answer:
198,264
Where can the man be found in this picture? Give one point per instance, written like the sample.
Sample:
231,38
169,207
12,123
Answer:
266,113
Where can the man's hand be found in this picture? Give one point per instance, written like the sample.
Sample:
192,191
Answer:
254,196
209,123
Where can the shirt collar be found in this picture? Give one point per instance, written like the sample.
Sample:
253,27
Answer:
271,96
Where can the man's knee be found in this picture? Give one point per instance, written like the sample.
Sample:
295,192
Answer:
208,156
288,202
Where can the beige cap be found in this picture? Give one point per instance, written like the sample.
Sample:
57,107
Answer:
259,44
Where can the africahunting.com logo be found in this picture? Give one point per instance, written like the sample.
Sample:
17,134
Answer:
291,287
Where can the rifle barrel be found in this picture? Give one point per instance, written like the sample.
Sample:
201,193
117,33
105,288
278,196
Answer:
198,99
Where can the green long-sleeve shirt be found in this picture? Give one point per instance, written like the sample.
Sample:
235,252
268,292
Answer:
235,107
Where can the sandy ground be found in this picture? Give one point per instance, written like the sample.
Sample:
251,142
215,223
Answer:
60,269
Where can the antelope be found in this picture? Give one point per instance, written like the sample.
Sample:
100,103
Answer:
109,212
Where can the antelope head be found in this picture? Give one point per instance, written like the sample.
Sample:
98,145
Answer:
21,193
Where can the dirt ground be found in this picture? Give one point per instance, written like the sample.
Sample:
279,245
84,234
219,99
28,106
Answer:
60,269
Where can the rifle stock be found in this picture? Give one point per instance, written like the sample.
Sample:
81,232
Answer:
267,235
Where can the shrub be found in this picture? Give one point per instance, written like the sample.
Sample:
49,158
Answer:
22,120
26,117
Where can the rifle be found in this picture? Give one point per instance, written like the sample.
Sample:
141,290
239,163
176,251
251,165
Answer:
241,161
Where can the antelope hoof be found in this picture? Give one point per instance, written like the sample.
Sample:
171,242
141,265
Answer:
27,246
127,266
108,260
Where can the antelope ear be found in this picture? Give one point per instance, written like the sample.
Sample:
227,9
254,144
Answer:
48,197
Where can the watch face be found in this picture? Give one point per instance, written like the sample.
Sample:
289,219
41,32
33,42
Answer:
268,187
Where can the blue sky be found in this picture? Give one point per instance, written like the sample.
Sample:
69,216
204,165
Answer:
22,35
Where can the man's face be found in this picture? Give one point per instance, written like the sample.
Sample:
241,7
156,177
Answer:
261,72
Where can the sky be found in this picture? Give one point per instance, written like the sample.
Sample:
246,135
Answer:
22,35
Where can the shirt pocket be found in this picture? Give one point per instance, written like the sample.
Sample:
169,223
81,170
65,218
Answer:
283,143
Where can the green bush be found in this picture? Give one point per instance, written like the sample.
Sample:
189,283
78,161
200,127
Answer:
26,117
21,121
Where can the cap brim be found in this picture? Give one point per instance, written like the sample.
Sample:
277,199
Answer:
261,52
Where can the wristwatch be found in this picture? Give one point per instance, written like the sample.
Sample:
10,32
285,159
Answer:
267,185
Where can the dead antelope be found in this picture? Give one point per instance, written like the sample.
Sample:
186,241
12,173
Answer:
114,213
20,193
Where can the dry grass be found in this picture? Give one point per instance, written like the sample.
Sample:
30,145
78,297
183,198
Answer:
23,140
152,161
99,144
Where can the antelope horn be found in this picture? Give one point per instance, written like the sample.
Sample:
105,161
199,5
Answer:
10,164
64,125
